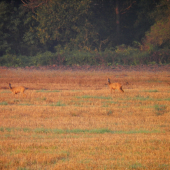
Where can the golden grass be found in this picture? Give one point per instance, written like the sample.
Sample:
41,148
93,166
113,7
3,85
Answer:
67,122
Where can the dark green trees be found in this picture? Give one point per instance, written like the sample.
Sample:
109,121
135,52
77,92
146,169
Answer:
31,27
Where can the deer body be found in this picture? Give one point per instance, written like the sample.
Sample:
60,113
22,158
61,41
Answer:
114,86
16,90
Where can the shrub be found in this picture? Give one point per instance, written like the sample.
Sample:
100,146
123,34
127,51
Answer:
131,56
160,56
80,57
10,60
122,55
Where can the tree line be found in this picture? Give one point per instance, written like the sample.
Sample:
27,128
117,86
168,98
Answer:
44,32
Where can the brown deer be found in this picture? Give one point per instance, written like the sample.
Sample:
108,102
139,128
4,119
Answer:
16,90
114,86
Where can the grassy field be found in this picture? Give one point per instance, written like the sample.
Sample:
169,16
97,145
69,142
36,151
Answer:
69,120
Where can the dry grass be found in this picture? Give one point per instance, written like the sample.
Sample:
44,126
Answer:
69,120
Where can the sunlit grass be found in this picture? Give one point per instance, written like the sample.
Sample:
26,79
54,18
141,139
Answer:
75,123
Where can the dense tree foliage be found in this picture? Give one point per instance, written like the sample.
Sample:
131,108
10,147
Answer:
56,27
159,33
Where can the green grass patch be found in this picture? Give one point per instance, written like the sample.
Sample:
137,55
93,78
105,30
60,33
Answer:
167,99
44,98
6,91
47,91
160,109
1,129
3,103
42,130
151,90
74,131
140,131
58,104
141,98
79,102
25,104
146,106
93,97
138,97
108,103
100,131
110,112
136,166
164,166
77,131
26,129
22,168
154,81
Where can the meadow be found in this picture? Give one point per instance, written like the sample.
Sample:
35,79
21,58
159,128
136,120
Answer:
70,120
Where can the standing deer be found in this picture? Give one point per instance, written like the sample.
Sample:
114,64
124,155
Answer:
114,86
16,90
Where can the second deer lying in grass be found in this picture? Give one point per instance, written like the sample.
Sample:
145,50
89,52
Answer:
114,86
16,90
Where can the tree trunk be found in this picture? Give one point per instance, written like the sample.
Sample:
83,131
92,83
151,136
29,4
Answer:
117,22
